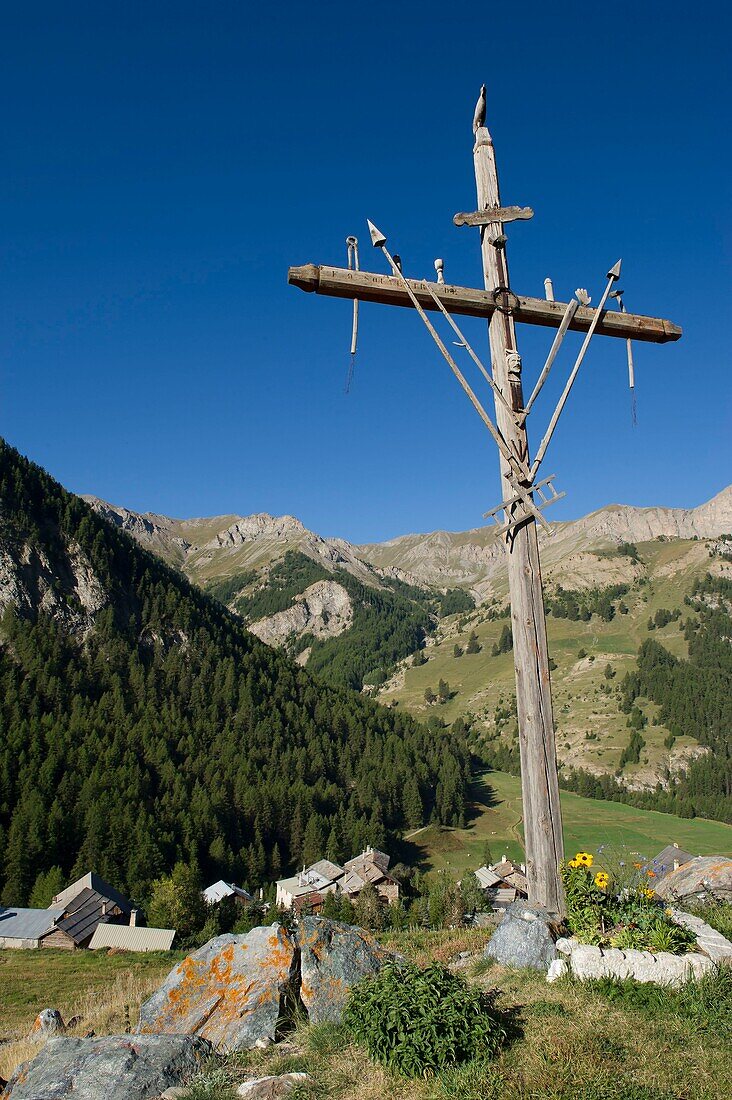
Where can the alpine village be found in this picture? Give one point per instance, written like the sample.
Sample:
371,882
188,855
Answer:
323,807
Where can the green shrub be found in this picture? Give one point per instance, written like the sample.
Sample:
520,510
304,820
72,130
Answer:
419,1022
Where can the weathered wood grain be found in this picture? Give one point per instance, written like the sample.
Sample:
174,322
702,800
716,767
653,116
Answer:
539,780
367,286
496,214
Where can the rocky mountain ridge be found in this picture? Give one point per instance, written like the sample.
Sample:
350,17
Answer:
211,548
475,558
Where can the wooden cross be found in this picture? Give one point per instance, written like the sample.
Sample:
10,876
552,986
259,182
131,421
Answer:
503,308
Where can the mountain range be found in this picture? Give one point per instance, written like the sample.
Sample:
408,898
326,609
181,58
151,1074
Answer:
393,615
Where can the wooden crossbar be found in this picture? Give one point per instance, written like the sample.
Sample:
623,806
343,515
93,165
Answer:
339,282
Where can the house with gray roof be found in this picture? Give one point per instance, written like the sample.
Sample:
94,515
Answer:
215,893
85,904
23,928
669,859
309,888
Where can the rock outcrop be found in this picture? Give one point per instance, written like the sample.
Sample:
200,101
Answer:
232,991
523,938
272,1088
700,877
129,1066
477,558
237,990
64,586
49,1021
323,610
333,957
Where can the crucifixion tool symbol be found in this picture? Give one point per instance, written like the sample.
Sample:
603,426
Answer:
519,471
525,498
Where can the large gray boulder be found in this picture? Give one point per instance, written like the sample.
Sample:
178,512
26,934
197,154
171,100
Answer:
701,877
131,1066
232,991
523,938
333,957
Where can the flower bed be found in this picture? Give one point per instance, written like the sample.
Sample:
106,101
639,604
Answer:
604,911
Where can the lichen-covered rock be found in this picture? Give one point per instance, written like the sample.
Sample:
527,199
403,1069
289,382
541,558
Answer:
231,991
333,957
700,876
271,1088
131,1066
48,1022
523,938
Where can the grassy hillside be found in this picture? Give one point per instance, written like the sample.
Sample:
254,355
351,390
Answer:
495,823
591,730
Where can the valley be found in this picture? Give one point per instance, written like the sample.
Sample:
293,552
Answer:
359,614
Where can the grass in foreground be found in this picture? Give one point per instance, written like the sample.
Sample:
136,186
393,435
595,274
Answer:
597,1041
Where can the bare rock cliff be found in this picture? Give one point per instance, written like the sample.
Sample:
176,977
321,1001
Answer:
324,610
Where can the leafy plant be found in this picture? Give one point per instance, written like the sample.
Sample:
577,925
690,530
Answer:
420,1022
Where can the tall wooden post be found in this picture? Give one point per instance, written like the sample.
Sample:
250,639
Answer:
539,781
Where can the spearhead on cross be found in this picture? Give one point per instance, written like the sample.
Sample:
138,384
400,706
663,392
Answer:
378,239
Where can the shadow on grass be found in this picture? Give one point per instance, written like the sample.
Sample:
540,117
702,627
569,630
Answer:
480,796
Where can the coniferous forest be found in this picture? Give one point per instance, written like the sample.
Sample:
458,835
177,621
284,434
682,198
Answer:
167,732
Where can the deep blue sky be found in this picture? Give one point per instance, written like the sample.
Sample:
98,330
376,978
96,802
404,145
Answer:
163,164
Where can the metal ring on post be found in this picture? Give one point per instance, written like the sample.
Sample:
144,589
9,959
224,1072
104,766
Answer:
507,306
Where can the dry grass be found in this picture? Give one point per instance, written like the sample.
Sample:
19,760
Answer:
573,1044
106,995
442,946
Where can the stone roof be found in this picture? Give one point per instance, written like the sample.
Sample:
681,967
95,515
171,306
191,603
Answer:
370,856
93,881
665,860
82,915
327,869
487,877
306,882
220,890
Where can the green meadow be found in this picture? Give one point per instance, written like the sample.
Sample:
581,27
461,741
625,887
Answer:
495,825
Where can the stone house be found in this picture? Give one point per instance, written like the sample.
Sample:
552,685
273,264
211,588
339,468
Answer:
502,883
86,903
310,887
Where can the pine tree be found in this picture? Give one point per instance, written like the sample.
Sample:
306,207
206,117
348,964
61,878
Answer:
412,806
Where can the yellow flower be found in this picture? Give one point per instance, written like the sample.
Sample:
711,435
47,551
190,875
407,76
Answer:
574,863
602,879
646,893
585,859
